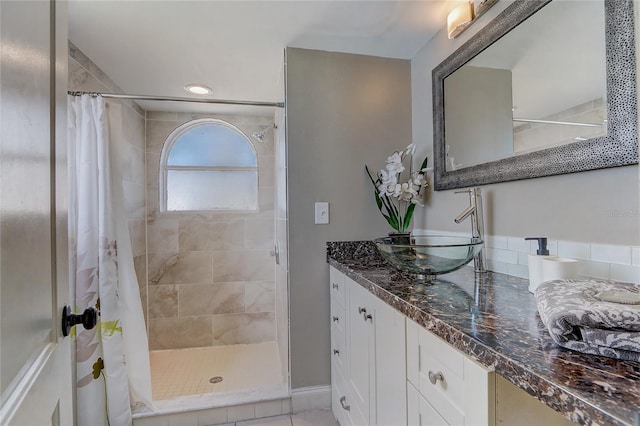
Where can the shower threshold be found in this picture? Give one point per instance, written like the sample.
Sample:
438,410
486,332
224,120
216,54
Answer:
212,377
214,400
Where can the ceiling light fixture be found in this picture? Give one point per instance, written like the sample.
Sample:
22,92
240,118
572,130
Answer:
197,89
464,15
459,19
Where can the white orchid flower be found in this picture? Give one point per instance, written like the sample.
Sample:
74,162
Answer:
395,168
407,191
394,163
419,180
396,157
400,198
410,149
394,190
387,177
417,199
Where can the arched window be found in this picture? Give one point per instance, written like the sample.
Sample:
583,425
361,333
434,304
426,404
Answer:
208,164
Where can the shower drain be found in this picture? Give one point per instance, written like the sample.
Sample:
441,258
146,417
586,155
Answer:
216,379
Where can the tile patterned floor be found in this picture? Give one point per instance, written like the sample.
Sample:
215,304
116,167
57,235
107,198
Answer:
305,418
188,371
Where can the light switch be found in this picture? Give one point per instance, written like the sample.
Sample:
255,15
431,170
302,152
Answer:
322,213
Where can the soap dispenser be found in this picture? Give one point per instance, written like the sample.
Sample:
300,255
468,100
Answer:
535,263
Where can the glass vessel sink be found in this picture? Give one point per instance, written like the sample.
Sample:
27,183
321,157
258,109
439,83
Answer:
430,255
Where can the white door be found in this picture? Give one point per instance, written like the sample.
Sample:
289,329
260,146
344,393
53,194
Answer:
35,360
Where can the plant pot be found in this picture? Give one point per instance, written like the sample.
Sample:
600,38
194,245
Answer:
400,237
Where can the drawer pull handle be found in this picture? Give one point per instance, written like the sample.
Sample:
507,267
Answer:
343,403
336,352
334,285
434,377
335,319
368,317
362,310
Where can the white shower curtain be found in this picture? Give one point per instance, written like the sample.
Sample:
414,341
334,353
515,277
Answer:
112,359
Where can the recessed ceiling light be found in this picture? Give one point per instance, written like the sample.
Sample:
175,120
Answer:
197,89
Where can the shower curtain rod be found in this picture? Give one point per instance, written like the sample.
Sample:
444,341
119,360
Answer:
564,123
178,99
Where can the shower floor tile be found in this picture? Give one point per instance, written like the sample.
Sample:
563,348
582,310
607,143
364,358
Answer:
183,372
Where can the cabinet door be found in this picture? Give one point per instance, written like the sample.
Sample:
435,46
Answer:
361,363
338,322
339,372
390,367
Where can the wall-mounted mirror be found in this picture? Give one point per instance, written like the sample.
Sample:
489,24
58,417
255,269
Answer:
546,88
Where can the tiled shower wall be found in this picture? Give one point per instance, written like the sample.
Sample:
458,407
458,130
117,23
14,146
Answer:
211,276
84,75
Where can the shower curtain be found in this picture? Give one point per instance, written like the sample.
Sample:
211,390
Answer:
112,359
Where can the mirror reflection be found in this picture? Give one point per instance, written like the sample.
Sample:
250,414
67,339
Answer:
543,85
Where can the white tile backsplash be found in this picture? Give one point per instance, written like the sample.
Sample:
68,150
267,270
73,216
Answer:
591,269
620,255
518,244
611,254
523,258
521,271
497,241
510,255
574,250
497,266
505,256
625,273
635,256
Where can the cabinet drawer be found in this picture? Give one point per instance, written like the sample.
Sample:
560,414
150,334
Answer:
460,390
337,287
338,348
419,411
338,312
441,372
338,324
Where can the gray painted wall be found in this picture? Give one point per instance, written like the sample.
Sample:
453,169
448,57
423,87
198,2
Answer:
597,206
343,111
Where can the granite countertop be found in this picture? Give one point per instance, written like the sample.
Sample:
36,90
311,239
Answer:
493,318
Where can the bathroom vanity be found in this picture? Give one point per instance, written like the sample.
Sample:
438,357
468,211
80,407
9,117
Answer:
463,350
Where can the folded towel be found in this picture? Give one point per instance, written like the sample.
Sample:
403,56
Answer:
577,319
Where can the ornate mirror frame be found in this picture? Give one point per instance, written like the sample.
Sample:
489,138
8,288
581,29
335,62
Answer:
618,148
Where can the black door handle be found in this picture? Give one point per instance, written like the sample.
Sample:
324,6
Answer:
88,319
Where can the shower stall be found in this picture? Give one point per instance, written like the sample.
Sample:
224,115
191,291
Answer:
213,284
210,287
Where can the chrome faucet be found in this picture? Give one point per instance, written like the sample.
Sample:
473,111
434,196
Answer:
477,225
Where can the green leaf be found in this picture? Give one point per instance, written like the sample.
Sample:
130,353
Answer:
393,215
370,177
424,163
110,327
378,201
409,215
98,366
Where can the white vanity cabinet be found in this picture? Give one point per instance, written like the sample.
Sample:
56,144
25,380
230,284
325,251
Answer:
339,372
445,387
368,373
